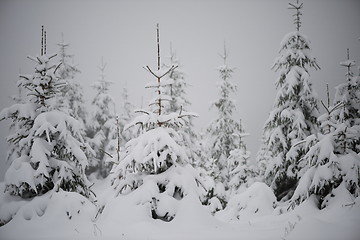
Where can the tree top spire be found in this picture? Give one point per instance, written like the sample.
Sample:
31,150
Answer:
297,7
225,54
158,74
348,63
158,45
43,41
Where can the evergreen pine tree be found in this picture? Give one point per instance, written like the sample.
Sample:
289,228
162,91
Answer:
348,93
177,89
156,158
71,99
179,102
241,173
222,131
294,115
51,150
13,150
125,117
331,166
262,158
102,130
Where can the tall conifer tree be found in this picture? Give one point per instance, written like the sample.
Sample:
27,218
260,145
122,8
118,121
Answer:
102,130
224,130
294,115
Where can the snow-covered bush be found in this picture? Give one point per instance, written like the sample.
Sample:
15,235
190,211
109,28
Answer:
161,192
52,158
326,173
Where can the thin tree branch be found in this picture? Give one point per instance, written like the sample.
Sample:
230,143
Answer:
57,67
327,110
142,111
101,150
171,69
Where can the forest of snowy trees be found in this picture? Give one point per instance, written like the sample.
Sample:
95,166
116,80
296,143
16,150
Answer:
154,161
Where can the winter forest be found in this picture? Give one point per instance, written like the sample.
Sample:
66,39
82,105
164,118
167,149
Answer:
98,164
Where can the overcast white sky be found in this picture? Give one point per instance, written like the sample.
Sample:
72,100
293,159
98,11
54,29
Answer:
123,32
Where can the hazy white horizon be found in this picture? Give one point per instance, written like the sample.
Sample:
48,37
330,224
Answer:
123,33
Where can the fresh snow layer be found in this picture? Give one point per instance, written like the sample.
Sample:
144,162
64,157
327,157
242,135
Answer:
64,215
257,200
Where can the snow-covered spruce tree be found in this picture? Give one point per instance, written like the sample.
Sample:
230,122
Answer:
154,168
294,115
262,158
49,143
13,150
119,137
102,129
223,130
241,173
331,166
125,116
177,89
179,102
348,93
203,151
71,99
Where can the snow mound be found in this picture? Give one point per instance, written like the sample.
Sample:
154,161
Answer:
8,207
158,195
339,197
337,221
65,213
257,200
192,214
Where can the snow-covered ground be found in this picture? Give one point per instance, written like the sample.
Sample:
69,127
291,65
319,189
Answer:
64,215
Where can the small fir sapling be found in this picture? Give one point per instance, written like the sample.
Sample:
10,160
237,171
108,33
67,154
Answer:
224,130
177,89
71,98
348,94
15,126
179,102
125,116
226,145
332,161
241,173
51,150
102,129
294,115
155,164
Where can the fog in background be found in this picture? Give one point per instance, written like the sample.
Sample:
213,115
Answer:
124,34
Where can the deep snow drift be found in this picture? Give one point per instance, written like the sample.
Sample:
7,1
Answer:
252,214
